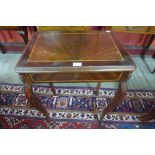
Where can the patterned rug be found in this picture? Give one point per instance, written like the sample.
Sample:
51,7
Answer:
72,108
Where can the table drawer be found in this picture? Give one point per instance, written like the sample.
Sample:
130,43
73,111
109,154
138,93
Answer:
76,77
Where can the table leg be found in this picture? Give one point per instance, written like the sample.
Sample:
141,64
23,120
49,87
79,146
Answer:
0,95
24,34
149,40
148,44
153,56
148,116
31,98
96,92
120,95
53,89
2,48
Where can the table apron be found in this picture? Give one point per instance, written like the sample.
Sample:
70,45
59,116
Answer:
78,77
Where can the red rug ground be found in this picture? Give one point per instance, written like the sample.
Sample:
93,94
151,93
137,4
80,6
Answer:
15,111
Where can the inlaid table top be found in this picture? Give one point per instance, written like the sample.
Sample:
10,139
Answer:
54,51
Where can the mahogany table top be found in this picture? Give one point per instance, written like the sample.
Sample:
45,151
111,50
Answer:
52,51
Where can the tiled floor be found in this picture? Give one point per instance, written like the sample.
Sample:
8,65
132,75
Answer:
141,78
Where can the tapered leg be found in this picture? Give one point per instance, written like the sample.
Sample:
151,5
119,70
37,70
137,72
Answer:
24,34
149,40
97,88
2,48
0,95
53,89
153,56
120,95
148,116
96,92
31,98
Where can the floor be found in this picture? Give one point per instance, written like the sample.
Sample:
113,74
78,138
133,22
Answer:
141,79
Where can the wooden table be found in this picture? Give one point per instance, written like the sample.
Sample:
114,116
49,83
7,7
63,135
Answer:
53,56
148,31
148,41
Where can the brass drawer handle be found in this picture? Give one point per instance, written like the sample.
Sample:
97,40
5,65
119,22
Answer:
76,75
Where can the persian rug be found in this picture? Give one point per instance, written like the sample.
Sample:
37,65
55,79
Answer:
72,108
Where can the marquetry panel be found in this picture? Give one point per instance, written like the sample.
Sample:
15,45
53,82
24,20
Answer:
61,47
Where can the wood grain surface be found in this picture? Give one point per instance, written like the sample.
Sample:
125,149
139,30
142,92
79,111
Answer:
60,47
